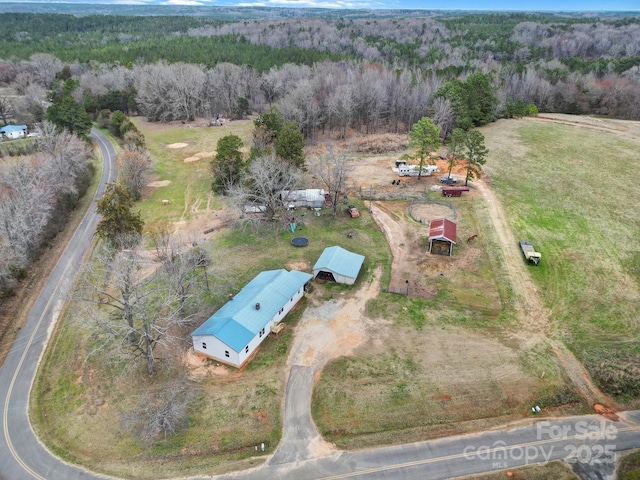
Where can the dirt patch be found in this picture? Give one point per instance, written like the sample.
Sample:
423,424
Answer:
606,412
300,266
159,183
413,268
177,145
334,328
199,156
200,366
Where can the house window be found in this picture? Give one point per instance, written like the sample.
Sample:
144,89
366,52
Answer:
226,353
204,346
246,349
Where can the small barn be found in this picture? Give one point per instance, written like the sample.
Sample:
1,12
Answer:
233,334
442,236
13,131
338,265
309,198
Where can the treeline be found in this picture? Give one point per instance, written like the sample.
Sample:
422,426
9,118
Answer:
37,193
390,73
126,40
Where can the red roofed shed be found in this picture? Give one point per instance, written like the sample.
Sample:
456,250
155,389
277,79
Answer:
442,231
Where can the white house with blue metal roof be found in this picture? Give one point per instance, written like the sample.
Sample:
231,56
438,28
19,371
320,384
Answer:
233,333
13,131
339,265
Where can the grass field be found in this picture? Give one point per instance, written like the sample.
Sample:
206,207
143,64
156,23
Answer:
435,367
571,192
229,415
443,364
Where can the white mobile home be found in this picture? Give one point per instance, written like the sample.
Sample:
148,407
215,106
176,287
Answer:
309,198
234,332
414,170
14,131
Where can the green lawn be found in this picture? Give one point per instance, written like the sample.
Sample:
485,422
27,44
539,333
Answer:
572,192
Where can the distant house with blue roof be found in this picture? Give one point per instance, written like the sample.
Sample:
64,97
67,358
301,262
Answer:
13,131
234,332
338,265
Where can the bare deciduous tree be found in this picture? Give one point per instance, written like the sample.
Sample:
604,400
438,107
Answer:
160,413
262,190
332,169
133,171
6,109
131,310
179,265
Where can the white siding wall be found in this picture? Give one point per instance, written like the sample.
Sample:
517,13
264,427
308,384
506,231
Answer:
216,349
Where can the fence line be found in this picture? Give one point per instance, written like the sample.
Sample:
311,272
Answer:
437,202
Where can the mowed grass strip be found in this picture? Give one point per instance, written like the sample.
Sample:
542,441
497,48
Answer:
573,193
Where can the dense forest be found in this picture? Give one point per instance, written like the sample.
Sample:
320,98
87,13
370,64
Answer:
343,76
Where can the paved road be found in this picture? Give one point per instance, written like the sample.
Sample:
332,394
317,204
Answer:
591,439
588,442
22,456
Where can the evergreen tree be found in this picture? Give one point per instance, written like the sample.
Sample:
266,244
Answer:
118,221
67,113
290,144
424,137
227,165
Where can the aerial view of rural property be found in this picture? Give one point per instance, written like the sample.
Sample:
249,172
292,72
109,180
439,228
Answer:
319,239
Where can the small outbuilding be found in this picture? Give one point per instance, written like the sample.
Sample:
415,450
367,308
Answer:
338,265
309,198
233,334
442,236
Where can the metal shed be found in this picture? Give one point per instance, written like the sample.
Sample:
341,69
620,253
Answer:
442,236
338,265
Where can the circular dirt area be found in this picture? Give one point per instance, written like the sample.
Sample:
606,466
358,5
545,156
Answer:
178,145
426,212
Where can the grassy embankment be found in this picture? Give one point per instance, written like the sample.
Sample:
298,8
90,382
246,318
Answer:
82,397
572,191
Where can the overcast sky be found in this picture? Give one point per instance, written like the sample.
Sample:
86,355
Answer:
519,5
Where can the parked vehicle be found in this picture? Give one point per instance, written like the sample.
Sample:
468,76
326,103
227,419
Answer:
529,252
448,180
353,211
453,191
414,170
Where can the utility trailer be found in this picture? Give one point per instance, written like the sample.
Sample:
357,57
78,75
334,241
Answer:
529,252
414,170
453,191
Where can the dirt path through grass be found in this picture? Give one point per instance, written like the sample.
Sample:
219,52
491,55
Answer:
533,316
326,331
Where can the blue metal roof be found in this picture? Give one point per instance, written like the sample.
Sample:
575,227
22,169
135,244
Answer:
238,321
12,128
340,261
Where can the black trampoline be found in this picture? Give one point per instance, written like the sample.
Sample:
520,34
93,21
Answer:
300,242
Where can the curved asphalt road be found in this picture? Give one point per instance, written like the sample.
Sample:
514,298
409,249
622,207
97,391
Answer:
592,439
22,456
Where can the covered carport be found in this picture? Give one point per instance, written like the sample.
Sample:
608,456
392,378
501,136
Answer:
338,265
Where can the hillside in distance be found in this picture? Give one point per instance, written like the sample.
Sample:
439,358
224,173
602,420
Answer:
236,12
